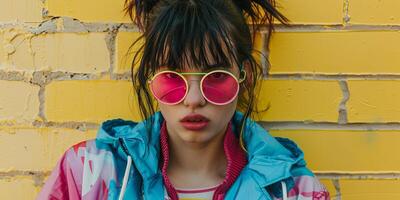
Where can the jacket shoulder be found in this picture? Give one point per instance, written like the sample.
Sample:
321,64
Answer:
300,187
308,188
65,180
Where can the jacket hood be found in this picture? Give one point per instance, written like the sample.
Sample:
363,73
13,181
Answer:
270,159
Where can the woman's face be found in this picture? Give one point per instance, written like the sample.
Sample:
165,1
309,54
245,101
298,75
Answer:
196,107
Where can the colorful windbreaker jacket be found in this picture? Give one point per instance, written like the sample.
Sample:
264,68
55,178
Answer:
123,163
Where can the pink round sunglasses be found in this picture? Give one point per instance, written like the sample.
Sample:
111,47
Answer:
219,87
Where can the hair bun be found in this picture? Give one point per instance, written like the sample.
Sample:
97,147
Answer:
260,11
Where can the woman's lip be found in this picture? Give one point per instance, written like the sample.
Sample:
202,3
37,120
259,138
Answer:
194,126
194,118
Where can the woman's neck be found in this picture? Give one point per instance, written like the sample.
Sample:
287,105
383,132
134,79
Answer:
197,165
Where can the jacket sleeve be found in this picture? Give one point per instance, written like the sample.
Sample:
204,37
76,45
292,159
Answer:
65,181
308,188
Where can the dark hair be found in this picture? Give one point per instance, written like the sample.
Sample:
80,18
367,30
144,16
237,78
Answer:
179,32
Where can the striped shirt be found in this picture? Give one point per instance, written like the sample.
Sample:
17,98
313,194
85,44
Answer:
196,194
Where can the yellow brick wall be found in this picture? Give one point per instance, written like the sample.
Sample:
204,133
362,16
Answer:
332,87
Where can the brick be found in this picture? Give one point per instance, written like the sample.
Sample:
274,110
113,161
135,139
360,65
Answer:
36,149
299,100
259,52
72,52
370,189
19,101
374,12
346,150
22,10
124,55
88,10
342,52
312,11
19,187
90,101
373,101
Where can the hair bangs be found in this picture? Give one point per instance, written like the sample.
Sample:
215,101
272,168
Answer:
190,36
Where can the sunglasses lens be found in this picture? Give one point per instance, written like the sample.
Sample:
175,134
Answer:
168,87
220,87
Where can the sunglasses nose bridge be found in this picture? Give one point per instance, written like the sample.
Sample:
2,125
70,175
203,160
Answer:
194,96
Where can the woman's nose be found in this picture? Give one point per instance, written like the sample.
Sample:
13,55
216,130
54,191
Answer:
194,98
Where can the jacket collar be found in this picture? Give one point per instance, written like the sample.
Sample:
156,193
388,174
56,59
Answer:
236,160
270,160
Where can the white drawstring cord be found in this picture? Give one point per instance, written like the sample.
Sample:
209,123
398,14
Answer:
284,190
126,177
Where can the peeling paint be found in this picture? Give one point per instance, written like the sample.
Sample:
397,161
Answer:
73,24
47,26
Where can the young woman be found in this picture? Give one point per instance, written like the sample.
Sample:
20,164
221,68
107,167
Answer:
197,65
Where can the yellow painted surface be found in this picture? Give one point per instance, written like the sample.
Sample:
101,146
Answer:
312,11
90,101
21,10
375,12
259,48
374,101
36,149
124,53
88,10
19,187
370,189
19,102
336,52
347,151
300,100
85,53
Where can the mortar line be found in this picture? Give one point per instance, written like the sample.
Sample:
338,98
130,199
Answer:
41,97
346,16
272,125
321,76
295,125
342,109
359,175
264,54
59,75
80,126
332,28
37,176
266,125
45,12
76,26
321,175
336,184
111,46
